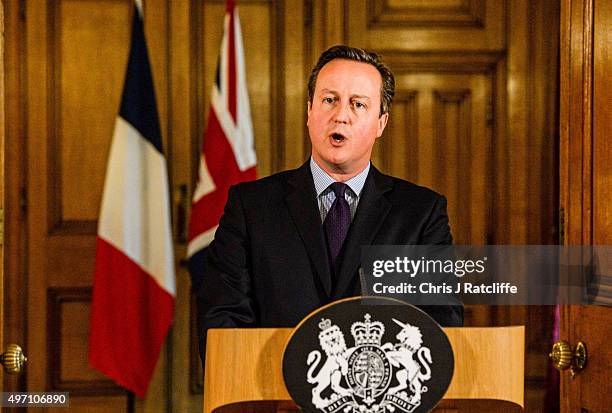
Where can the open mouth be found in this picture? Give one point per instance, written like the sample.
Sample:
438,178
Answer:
338,137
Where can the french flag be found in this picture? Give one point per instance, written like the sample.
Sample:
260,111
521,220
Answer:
134,282
228,153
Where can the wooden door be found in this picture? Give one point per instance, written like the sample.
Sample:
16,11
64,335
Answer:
586,189
68,61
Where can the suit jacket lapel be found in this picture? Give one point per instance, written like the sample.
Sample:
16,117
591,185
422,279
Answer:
303,207
371,212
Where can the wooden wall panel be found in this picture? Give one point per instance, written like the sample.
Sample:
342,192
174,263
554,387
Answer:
86,99
439,136
329,21
184,132
426,25
295,69
427,13
68,310
398,149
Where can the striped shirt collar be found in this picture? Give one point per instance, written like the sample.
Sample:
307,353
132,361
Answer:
322,180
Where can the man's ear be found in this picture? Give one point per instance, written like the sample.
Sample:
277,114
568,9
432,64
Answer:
309,108
382,122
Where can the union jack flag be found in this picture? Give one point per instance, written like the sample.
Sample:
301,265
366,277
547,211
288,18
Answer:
228,153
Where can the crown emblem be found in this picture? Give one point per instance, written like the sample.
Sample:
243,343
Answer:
368,332
328,329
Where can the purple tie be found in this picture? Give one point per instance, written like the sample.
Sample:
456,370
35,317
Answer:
337,223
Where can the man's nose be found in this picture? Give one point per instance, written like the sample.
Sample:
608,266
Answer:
342,113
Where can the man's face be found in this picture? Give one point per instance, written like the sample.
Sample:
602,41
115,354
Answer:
343,118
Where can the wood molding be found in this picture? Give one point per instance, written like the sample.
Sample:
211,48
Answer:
54,162
293,98
196,373
452,96
14,183
405,101
575,121
442,62
277,90
329,22
310,59
72,226
2,177
576,138
469,14
475,25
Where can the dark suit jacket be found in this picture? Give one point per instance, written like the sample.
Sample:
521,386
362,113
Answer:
268,264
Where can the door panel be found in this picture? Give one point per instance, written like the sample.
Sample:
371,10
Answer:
438,135
427,25
84,122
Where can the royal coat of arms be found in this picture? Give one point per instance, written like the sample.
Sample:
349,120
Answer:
370,377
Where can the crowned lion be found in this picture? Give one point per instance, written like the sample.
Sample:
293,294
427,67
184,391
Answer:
335,366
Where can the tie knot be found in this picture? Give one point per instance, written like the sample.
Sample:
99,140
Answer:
339,189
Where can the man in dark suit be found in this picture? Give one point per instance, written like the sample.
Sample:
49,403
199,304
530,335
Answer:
290,243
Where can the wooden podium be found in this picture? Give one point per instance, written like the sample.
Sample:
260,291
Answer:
244,370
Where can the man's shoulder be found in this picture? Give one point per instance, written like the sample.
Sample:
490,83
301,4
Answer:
409,191
271,182
268,181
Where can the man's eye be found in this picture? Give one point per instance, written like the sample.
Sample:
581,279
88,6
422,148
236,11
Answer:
328,100
360,105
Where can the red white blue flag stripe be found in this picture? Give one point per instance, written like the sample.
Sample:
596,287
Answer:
134,281
228,153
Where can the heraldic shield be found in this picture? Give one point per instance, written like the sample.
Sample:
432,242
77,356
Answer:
368,355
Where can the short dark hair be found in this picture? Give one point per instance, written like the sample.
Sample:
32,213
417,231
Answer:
387,90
